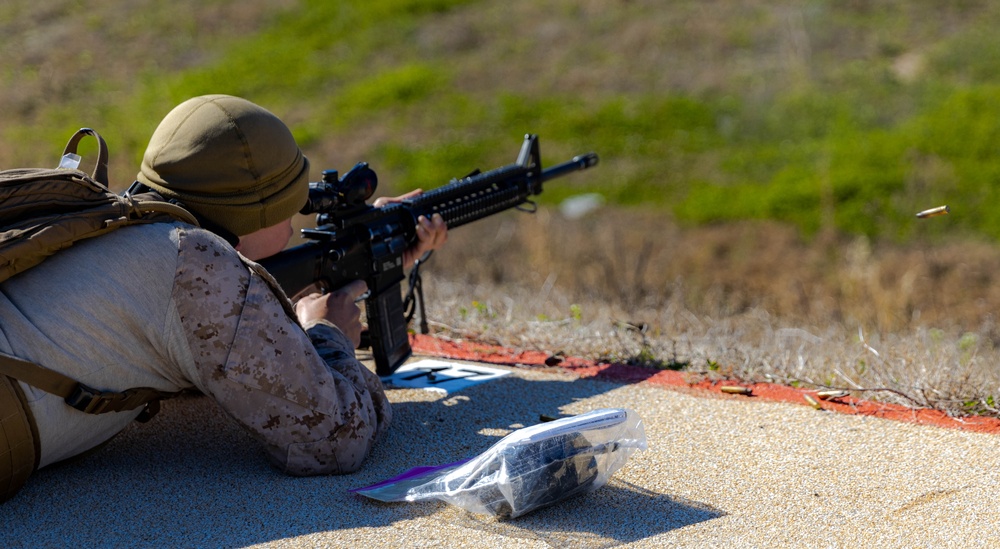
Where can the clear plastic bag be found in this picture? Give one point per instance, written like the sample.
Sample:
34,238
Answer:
529,468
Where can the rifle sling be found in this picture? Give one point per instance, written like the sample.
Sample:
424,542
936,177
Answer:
80,396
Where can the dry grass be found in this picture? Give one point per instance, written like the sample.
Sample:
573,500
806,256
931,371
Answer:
910,325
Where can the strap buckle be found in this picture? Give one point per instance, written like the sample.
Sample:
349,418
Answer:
91,401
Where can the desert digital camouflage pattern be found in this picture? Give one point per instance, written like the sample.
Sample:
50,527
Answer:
174,307
306,397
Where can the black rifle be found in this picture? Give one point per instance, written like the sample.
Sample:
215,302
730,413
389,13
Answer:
353,240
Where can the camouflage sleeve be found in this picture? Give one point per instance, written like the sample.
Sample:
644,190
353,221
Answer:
337,352
315,407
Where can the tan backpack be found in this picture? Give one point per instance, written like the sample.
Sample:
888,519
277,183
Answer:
45,210
42,211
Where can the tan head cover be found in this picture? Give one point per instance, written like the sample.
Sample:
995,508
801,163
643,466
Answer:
229,161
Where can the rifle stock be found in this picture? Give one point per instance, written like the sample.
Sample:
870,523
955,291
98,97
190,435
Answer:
353,240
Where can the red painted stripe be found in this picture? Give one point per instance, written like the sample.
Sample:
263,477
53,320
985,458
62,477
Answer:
492,354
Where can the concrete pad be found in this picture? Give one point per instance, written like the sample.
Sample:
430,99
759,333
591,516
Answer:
718,471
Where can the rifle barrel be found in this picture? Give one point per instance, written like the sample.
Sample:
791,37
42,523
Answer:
580,162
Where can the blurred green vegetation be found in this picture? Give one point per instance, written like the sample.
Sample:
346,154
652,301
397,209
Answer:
841,116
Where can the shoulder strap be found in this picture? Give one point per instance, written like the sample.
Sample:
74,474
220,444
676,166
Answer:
149,208
80,396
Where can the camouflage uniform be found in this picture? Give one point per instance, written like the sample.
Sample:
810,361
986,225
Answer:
173,307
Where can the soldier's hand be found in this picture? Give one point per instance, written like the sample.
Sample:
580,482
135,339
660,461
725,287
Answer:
339,307
431,233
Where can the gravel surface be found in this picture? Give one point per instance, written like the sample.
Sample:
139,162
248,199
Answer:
718,471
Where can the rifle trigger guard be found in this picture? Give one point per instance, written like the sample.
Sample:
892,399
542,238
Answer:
531,207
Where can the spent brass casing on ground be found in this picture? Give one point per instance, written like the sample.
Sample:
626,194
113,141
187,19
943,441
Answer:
940,210
735,390
824,395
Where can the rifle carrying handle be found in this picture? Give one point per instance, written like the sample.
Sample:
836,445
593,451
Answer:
101,169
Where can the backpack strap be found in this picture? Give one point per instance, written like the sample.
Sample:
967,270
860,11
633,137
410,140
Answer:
101,169
80,396
149,208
